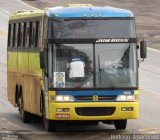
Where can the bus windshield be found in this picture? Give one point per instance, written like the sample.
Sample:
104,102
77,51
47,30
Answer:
96,28
92,64
116,65
74,65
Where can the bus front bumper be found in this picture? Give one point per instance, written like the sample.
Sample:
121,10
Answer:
93,111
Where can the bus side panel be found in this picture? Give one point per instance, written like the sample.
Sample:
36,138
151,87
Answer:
31,94
11,86
12,76
26,94
29,78
34,64
23,81
23,62
34,85
34,93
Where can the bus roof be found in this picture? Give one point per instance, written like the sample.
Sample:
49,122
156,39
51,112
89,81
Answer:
75,11
22,14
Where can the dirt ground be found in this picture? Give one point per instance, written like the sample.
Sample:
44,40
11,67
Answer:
147,14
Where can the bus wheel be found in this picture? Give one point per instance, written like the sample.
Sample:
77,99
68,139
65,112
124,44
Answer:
120,124
49,125
25,116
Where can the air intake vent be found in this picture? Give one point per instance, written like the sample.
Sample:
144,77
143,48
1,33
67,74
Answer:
95,111
100,98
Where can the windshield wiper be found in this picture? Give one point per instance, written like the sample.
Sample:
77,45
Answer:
105,73
112,84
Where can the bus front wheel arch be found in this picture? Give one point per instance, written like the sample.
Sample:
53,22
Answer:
41,103
120,124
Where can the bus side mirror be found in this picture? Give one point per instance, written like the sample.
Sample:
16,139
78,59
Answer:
43,60
143,49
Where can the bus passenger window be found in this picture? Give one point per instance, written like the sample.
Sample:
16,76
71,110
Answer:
30,34
19,36
33,34
11,43
9,35
13,35
24,34
36,33
27,35
16,35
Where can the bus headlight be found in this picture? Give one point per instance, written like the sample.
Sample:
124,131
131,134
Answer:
125,98
64,98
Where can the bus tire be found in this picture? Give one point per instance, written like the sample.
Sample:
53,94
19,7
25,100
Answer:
17,95
25,116
50,125
120,124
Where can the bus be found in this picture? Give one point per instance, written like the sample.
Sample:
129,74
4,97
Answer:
77,63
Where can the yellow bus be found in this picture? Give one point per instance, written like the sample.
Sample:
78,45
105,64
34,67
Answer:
74,63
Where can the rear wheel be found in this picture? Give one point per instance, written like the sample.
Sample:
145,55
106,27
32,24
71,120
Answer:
17,95
120,124
25,116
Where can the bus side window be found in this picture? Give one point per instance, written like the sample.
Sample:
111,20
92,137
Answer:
21,33
30,34
11,43
9,36
16,35
24,34
19,36
13,35
36,33
27,34
33,34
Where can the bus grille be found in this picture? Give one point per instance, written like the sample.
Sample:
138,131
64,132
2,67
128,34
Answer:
94,111
100,98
